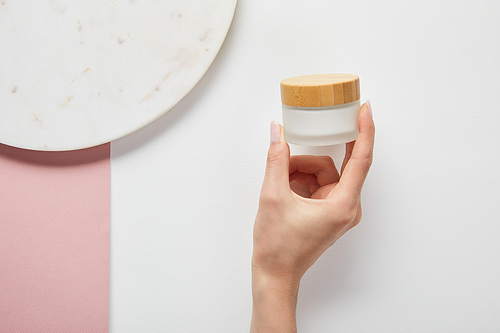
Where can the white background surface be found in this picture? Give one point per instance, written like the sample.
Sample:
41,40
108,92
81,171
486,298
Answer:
426,256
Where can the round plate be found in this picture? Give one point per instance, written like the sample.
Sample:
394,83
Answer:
75,74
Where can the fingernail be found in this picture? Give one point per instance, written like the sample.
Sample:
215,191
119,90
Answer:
275,131
369,105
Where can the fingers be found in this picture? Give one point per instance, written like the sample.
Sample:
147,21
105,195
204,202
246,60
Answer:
322,167
358,161
299,180
276,178
323,191
303,178
348,152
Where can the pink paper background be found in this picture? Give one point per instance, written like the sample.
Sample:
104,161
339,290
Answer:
54,240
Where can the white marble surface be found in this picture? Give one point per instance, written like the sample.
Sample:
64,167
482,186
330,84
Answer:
75,74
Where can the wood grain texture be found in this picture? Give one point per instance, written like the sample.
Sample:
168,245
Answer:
320,90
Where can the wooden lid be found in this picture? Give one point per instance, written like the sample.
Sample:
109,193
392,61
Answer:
320,90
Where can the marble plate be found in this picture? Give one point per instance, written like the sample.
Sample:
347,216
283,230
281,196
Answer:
75,74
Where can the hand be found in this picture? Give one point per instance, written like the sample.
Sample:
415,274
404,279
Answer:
292,231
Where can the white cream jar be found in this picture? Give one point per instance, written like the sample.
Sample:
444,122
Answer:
320,109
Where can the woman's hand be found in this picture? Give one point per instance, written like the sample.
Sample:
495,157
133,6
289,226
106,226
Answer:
292,231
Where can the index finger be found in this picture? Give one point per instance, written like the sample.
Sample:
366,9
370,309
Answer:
358,165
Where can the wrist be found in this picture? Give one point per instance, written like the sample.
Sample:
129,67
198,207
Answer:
274,303
276,272
285,286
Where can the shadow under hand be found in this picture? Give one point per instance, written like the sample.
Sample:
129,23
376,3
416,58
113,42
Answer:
331,280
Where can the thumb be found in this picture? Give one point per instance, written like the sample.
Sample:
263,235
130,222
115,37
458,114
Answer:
278,161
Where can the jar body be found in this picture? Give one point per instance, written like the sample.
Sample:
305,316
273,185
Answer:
321,126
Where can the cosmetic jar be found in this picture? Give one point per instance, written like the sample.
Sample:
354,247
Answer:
320,109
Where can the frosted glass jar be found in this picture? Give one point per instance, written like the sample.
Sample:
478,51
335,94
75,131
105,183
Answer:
320,109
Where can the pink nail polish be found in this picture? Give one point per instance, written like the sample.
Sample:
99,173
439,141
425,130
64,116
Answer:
275,132
369,105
